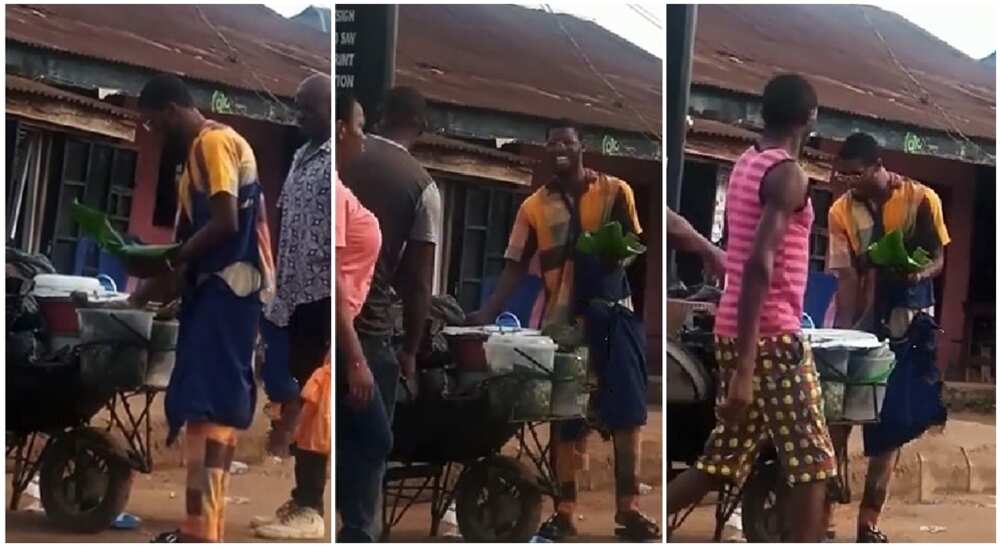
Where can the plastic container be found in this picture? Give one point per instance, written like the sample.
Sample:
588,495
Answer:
832,363
534,400
54,295
863,402
833,400
506,351
162,353
115,353
568,385
467,344
57,286
872,366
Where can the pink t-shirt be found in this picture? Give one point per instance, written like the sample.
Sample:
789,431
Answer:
358,240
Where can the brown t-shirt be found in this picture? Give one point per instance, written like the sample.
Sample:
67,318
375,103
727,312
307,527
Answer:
392,184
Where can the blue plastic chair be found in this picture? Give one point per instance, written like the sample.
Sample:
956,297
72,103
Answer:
820,289
521,302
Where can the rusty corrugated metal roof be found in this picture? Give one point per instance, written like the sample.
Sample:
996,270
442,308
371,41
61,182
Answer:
16,84
740,47
438,141
271,51
515,59
712,128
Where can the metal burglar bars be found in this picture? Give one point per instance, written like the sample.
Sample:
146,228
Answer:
365,48
680,50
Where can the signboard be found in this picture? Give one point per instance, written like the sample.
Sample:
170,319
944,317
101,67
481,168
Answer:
365,52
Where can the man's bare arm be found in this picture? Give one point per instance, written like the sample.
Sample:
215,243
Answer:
414,282
682,236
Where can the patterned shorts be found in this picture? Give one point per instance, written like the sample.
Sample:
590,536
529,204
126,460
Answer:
787,410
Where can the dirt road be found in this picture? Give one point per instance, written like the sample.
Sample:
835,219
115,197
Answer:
596,506
950,519
949,512
158,499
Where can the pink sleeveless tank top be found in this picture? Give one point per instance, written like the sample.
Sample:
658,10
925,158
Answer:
782,311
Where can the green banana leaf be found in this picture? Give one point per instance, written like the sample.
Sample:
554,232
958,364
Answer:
610,241
891,252
97,225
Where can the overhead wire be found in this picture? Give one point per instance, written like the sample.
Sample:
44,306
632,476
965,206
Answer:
236,58
649,17
926,94
650,129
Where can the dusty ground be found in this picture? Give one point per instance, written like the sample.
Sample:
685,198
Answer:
158,500
951,512
966,518
596,506
258,492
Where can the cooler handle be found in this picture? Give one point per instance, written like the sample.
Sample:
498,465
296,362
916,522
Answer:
508,315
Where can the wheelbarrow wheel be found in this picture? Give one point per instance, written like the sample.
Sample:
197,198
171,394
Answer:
763,497
85,481
498,500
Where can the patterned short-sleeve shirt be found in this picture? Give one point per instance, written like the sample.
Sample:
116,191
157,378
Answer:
304,248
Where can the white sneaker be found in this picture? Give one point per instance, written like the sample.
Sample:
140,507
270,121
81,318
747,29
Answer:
303,523
282,512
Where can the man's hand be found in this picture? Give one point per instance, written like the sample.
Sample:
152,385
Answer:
914,278
360,385
407,364
715,261
739,395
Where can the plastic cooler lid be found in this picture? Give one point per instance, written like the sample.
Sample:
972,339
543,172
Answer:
841,339
521,340
55,285
486,330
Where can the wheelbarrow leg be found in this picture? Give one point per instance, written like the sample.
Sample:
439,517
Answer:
436,513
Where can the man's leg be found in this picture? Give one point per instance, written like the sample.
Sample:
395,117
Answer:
689,488
569,442
792,399
309,340
876,493
837,491
626,445
209,450
807,518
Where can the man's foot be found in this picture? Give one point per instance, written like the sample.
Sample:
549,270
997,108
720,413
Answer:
636,527
869,533
558,528
282,512
168,537
302,523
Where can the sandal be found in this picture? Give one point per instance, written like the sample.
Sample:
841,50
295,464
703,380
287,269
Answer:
869,533
636,527
558,528
168,537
